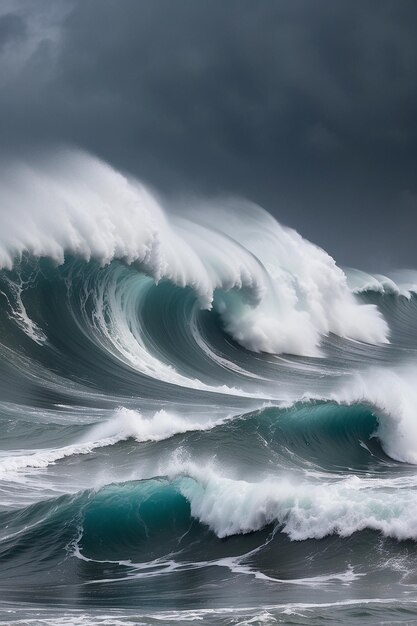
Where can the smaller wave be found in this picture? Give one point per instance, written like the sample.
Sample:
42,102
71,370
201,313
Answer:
394,395
131,524
126,424
399,283
303,510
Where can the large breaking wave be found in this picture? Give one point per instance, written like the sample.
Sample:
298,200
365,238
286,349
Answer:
194,396
275,291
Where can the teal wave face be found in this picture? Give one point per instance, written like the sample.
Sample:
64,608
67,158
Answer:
134,541
202,417
111,329
272,477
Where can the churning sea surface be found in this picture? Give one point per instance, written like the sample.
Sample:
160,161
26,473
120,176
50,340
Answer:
204,420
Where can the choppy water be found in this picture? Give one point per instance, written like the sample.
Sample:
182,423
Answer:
165,458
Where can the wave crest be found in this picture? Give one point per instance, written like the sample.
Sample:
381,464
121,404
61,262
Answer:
275,291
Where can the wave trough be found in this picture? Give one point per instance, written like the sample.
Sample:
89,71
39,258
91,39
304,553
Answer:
198,407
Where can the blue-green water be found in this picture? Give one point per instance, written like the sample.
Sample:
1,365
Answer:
162,460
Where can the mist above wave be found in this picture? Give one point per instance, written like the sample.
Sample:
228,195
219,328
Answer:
275,291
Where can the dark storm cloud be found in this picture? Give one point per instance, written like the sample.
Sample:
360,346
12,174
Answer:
308,107
12,28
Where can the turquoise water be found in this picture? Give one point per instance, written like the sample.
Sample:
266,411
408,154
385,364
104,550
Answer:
153,470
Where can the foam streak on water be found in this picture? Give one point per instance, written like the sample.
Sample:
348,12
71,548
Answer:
204,419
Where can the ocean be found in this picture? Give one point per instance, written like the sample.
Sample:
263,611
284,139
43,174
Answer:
203,418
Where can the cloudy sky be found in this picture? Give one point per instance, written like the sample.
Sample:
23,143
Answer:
307,107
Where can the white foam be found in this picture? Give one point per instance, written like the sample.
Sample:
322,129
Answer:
115,617
126,424
393,393
305,510
17,312
161,425
290,291
117,325
399,283
236,565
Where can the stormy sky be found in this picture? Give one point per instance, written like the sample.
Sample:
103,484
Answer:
307,107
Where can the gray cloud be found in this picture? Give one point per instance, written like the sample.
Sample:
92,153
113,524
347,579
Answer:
306,107
12,28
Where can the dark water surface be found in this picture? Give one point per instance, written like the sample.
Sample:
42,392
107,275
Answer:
153,470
